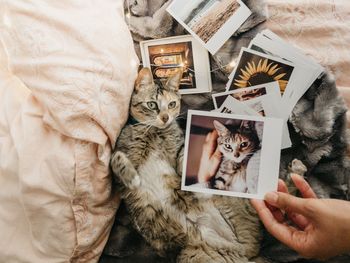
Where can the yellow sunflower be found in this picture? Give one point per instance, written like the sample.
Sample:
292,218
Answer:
254,74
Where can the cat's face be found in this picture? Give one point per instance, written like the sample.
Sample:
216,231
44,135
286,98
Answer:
155,103
237,143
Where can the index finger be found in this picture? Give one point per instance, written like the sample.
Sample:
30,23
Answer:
304,188
282,187
210,143
284,233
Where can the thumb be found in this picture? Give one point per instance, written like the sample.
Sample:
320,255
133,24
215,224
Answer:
290,203
215,161
217,155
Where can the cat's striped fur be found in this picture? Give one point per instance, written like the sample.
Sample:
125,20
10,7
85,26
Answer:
147,166
237,143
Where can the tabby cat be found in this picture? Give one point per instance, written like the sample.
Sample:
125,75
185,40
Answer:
237,143
147,167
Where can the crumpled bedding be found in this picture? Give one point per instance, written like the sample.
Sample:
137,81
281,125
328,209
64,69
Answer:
321,29
67,69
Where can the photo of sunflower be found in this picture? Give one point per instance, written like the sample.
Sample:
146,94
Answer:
254,70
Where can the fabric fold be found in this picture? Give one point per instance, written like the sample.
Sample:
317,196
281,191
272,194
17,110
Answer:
64,97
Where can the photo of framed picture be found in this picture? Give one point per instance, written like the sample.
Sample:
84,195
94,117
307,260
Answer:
250,149
165,56
212,22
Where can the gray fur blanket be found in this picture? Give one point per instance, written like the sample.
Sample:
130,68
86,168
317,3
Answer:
317,126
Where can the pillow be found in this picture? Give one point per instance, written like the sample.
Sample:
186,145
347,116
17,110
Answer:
71,70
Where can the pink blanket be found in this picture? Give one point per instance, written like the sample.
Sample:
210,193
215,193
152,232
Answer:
66,76
321,28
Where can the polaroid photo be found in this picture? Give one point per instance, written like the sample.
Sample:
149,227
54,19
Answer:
246,94
250,146
211,22
165,56
255,68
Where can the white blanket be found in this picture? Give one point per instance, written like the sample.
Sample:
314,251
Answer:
67,69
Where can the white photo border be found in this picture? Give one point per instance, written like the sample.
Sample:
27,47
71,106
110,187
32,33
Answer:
270,154
200,61
224,33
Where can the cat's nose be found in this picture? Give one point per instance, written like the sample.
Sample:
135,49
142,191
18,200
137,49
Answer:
237,155
165,118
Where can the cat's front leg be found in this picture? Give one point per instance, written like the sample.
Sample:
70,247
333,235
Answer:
124,171
179,163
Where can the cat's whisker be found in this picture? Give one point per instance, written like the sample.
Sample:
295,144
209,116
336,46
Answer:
142,123
181,115
184,113
148,127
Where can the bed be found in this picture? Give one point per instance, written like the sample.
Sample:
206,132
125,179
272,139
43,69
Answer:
66,76
67,69
321,29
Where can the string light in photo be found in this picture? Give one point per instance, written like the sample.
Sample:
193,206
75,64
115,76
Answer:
228,67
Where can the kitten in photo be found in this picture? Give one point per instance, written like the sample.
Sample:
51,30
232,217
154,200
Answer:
237,143
147,167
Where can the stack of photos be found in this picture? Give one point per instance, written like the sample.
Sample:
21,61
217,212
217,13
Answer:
165,56
270,78
269,58
250,156
211,22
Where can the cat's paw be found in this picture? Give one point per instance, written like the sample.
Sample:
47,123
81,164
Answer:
180,159
136,182
220,185
124,170
297,167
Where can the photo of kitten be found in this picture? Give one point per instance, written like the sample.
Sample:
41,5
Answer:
231,154
237,143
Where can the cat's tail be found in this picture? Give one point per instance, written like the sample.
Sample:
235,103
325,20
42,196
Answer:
206,254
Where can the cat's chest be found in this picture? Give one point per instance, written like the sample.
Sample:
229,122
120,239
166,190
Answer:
164,144
155,174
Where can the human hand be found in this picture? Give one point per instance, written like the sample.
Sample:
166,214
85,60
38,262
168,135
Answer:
211,158
322,228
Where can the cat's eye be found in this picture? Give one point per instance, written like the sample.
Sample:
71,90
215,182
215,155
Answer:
172,105
228,146
152,105
244,144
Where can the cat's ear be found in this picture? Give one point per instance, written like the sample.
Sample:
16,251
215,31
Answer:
173,83
220,128
246,124
144,79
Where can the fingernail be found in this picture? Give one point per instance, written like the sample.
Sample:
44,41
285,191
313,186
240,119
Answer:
271,198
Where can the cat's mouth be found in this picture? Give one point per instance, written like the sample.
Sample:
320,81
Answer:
162,125
236,159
